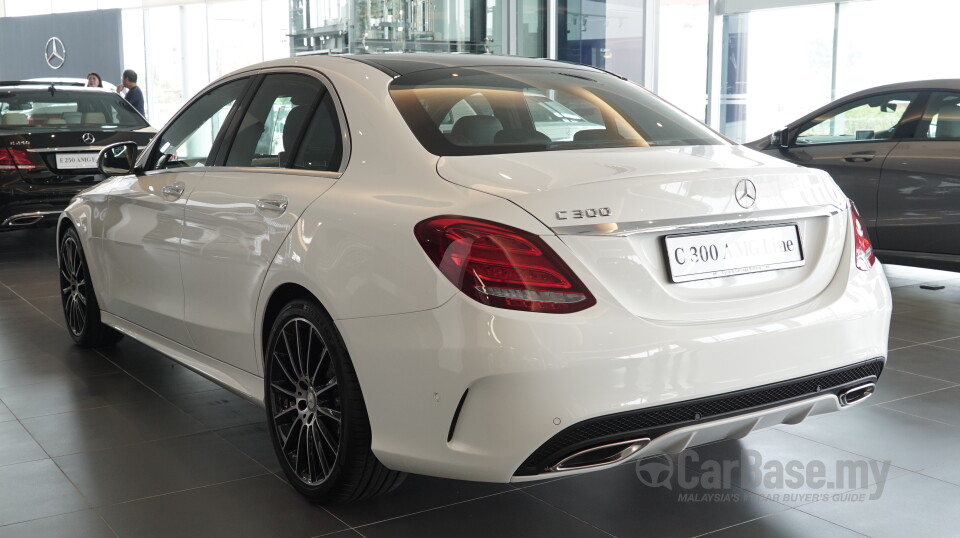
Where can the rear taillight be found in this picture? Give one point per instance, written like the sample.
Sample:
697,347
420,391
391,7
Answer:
16,159
863,249
502,266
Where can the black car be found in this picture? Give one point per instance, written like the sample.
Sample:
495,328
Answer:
895,151
50,136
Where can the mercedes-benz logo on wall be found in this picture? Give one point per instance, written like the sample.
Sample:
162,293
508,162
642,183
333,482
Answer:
55,53
745,193
88,138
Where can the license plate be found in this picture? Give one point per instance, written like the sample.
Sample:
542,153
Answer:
733,252
76,160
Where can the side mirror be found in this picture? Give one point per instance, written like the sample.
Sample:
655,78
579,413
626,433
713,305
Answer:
117,159
781,138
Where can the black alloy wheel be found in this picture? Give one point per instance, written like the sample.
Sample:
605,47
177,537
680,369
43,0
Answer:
80,308
317,419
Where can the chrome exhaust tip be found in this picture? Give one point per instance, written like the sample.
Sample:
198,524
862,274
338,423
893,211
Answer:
601,455
857,394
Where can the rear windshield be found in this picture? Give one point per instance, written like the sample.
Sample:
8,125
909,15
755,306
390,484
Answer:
479,111
65,110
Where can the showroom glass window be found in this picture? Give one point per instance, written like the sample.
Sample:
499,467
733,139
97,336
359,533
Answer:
289,112
872,118
190,137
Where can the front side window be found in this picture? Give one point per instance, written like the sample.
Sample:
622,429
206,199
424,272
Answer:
190,137
477,111
275,121
872,118
941,119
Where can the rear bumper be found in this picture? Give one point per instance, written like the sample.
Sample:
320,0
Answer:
672,428
469,392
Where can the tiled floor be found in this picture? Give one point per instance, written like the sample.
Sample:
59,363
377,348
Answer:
125,442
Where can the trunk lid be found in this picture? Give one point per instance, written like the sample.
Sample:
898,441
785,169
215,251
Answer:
615,207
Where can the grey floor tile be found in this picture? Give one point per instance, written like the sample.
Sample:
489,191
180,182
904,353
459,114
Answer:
13,308
254,441
786,524
220,408
73,394
261,506
942,405
34,490
931,360
111,426
155,468
924,326
781,467
896,343
17,446
658,499
952,344
895,384
507,514
86,524
51,307
45,285
911,505
415,494
885,435
42,370
5,413
156,370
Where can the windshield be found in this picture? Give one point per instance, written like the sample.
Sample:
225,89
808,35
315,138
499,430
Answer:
66,110
479,111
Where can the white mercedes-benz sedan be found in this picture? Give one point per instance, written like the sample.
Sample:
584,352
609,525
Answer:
473,298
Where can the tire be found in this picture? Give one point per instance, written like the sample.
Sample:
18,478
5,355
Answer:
315,411
80,308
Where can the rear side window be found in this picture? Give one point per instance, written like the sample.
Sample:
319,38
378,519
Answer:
941,119
477,111
65,110
290,123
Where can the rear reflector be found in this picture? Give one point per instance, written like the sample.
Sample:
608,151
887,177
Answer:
502,266
16,159
861,240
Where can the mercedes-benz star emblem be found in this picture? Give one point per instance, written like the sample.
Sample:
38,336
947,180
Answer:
55,53
745,193
88,138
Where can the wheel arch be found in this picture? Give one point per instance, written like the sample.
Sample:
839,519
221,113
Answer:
279,298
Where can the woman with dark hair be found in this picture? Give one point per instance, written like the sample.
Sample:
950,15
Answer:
94,81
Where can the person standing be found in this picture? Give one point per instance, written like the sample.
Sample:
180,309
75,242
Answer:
134,94
94,81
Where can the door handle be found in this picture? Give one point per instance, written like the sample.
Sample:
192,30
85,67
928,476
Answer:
860,157
174,191
272,204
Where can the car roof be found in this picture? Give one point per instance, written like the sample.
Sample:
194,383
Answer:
405,63
398,64
33,85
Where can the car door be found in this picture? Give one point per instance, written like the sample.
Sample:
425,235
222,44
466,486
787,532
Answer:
143,223
851,142
919,201
286,151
